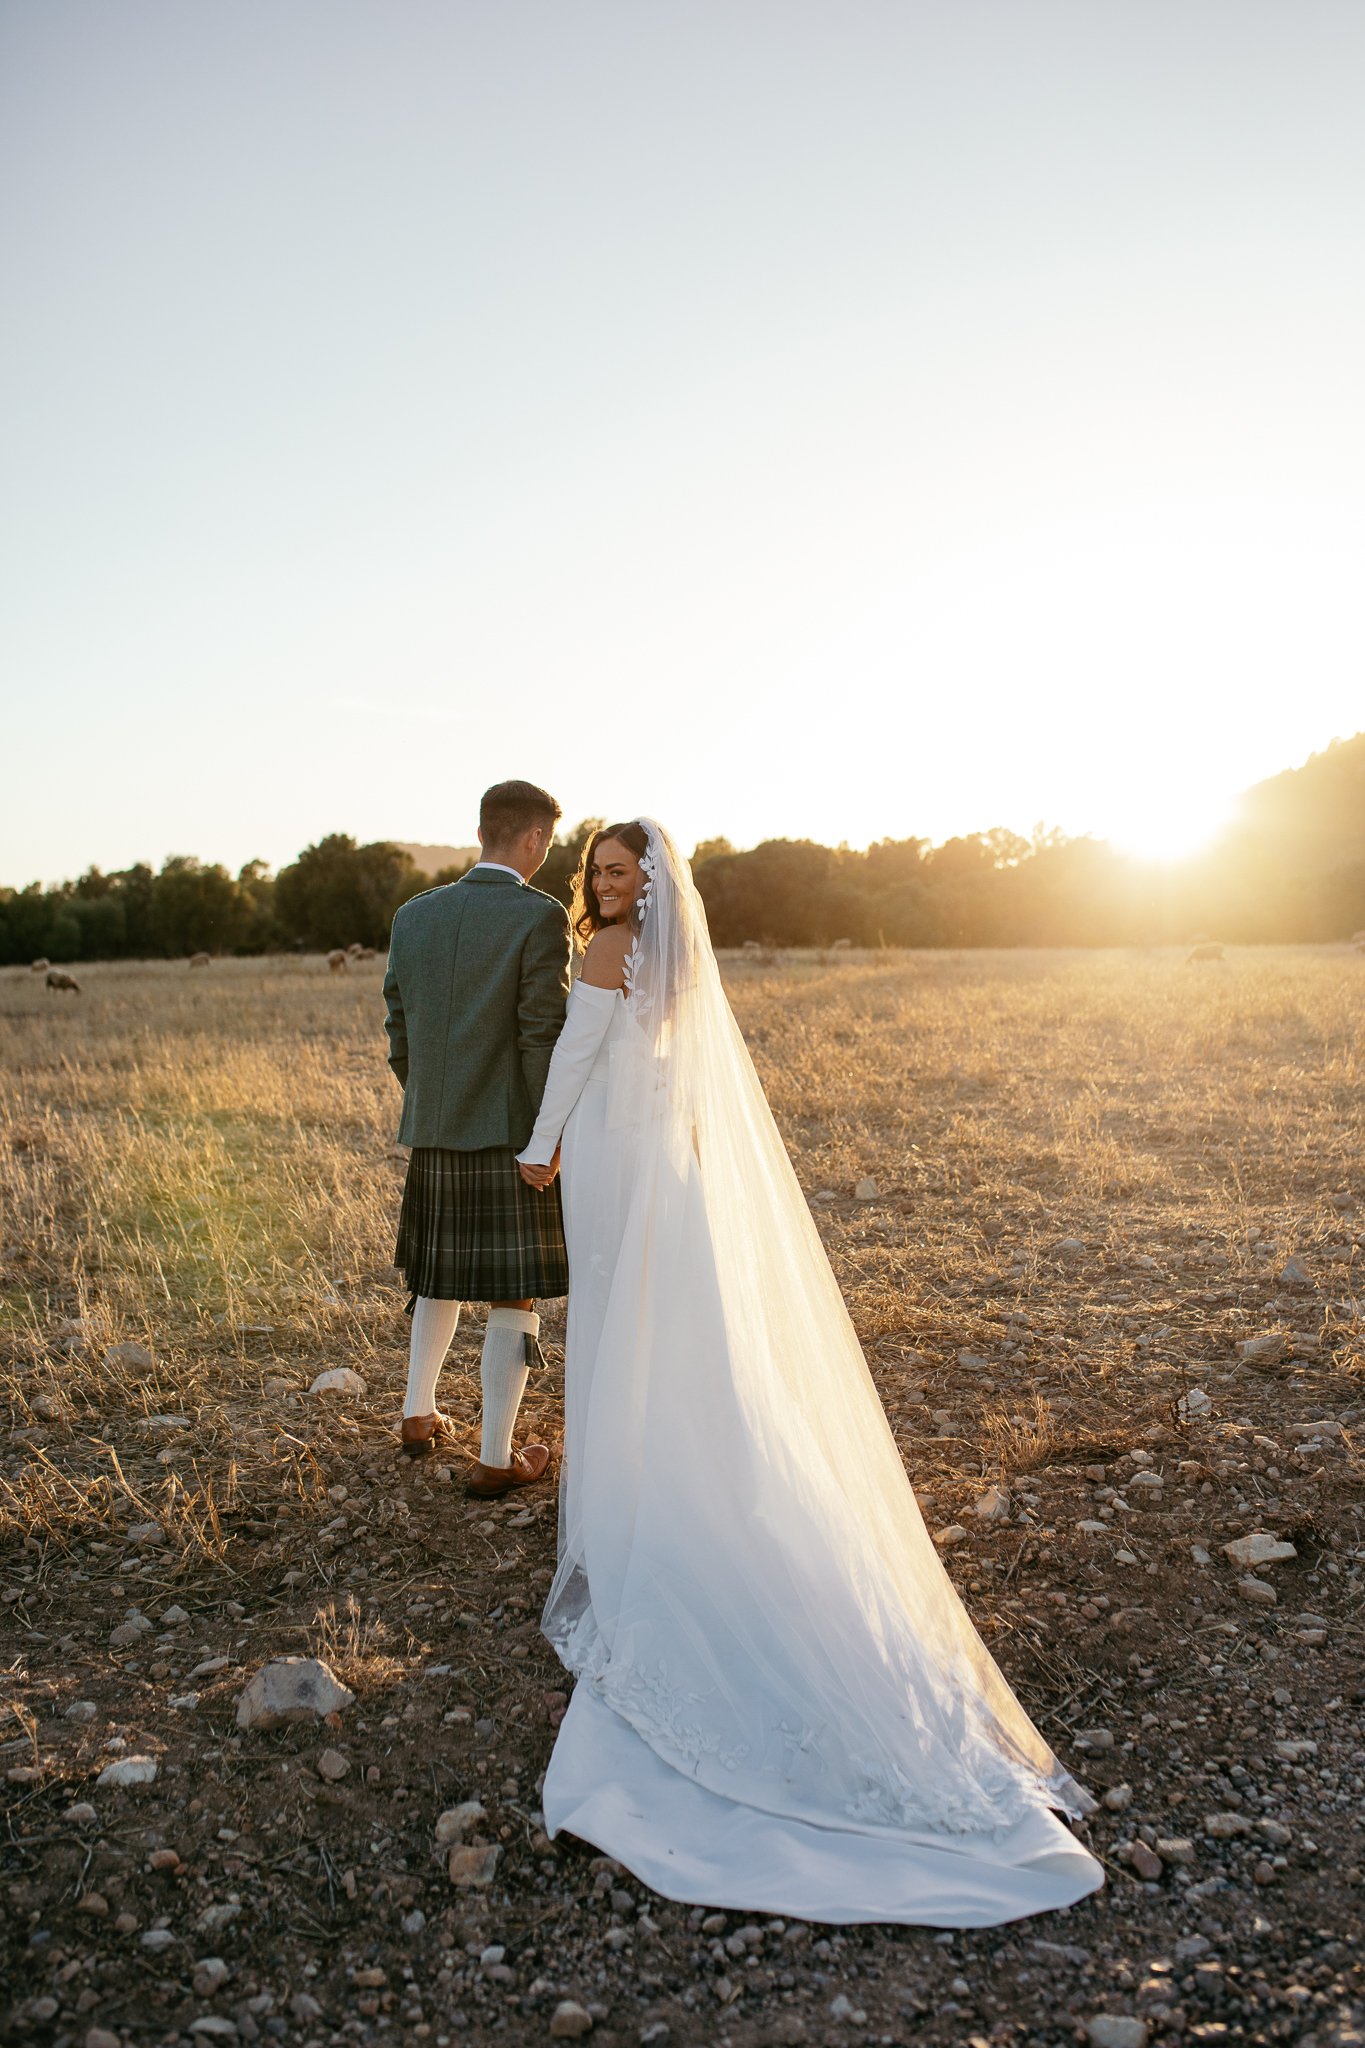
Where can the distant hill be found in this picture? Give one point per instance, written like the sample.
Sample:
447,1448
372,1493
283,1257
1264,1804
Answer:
1313,814
1291,862
431,859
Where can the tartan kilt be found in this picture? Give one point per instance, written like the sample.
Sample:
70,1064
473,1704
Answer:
471,1229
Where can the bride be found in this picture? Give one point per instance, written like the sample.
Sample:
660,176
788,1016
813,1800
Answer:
782,1704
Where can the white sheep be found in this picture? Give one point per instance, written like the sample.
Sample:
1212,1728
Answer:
199,959
57,979
40,966
337,960
1210,950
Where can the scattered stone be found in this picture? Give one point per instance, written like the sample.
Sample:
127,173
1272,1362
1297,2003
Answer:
131,1357
1175,1848
1146,1862
333,1766
415,1921
129,1631
472,1867
1095,1738
1294,1273
81,1815
454,1824
157,1938
1327,1426
994,1505
214,2027
1274,1832
1266,1349
214,1919
1092,1528
1115,2030
1119,1798
210,1975
1069,1247
292,1689
1258,1592
146,1532
100,2037
1294,1752
1200,1555
841,2007
93,1903
569,2020
129,1770
162,1423
81,1710
1060,1952
946,1538
340,1380
865,1191
173,1617
1195,1402
164,1859
1225,1827
1259,1547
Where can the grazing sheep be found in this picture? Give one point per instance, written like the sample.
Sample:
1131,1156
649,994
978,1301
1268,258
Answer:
40,966
842,946
752,946
337,960
56,979
1211,950
199,959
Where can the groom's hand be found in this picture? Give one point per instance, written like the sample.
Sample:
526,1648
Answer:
541,1176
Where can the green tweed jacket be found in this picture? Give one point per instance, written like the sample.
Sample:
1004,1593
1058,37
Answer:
476,987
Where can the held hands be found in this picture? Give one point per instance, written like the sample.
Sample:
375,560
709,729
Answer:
540,1176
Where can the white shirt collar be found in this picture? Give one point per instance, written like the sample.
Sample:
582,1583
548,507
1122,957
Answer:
502,869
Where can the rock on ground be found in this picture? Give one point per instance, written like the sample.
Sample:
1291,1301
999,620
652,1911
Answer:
129,1770
340,1380
292,1689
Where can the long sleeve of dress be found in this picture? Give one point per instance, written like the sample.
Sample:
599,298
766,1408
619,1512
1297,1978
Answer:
585,1026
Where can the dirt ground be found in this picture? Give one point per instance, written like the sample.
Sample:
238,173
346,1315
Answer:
1100,1221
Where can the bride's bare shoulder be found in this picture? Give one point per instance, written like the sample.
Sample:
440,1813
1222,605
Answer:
605,960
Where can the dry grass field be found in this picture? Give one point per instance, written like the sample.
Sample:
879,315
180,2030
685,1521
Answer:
1062,1192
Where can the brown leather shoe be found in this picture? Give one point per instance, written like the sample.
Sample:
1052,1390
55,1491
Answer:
420,1435
528,1465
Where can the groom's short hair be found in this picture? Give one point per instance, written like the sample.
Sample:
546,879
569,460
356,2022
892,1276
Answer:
510,808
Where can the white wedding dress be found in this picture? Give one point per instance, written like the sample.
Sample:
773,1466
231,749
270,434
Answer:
782,1705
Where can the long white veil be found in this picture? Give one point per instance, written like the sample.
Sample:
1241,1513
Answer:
744,1573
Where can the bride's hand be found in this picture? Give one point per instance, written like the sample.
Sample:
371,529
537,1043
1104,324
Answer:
541,1176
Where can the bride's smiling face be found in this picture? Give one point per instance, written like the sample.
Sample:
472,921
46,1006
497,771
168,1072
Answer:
616,878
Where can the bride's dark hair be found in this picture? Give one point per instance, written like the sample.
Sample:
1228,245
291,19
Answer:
586,911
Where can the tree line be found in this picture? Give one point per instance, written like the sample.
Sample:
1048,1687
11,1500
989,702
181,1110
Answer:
1291,866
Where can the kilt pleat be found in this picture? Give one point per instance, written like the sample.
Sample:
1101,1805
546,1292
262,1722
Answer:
471,1229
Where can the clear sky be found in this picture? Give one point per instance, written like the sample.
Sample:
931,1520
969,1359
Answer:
830,418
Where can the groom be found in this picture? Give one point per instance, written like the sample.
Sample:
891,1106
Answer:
477,982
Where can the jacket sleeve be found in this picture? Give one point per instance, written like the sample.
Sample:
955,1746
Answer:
590,1015
544,991
396,1024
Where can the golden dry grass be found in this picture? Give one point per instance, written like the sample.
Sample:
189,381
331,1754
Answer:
1089,1171
204,1163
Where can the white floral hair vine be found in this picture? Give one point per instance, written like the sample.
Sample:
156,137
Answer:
649,868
